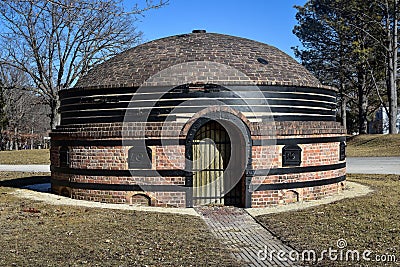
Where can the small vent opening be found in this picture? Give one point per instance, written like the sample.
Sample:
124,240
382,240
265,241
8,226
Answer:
262,61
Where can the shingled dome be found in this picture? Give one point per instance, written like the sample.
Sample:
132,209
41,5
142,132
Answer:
262,63
196,119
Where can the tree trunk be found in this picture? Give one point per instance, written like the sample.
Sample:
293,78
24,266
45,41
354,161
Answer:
32,138
55,116
16,138
362,102
392,105
343,104
362,114
392,35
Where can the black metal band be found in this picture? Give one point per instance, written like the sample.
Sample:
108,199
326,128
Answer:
313,183
167,142
182,188
294,170
112,143
183,173
120,187
120,173
294,103
79,92
115,119
296,141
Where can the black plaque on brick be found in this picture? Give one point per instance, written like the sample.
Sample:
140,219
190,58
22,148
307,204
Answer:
64,157
291,155
342,151
139,157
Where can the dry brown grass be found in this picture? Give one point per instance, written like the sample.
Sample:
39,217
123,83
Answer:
369,222
35,156
37,234
374,145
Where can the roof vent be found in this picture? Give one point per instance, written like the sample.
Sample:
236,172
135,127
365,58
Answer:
199,31
262,61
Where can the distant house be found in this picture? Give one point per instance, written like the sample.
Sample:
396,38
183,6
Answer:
380,122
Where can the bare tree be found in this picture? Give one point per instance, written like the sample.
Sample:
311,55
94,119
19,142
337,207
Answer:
23,110
55,42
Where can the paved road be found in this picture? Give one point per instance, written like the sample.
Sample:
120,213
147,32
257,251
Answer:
374,165
25,168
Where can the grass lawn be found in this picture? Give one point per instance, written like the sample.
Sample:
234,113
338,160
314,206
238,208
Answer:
374,145
370,222
37,234
35,156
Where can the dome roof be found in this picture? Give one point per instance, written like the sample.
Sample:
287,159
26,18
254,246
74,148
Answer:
261,63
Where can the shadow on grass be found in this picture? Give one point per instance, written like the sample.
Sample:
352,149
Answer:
25,181
360,142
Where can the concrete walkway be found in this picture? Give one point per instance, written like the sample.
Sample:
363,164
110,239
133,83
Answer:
374,165
25,168
247,239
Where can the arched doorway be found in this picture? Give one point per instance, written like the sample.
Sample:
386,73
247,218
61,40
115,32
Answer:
219,157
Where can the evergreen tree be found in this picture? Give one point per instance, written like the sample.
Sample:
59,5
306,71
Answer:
343,50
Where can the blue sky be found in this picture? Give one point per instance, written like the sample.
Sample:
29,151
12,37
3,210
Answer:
267,21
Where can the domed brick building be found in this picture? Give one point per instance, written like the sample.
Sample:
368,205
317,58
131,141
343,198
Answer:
197,119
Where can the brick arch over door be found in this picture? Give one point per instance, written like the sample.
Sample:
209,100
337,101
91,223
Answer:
224,111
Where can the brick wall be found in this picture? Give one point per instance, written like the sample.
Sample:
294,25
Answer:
280,197
159,199
172,157
316,154
98,157
175,199
320,154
